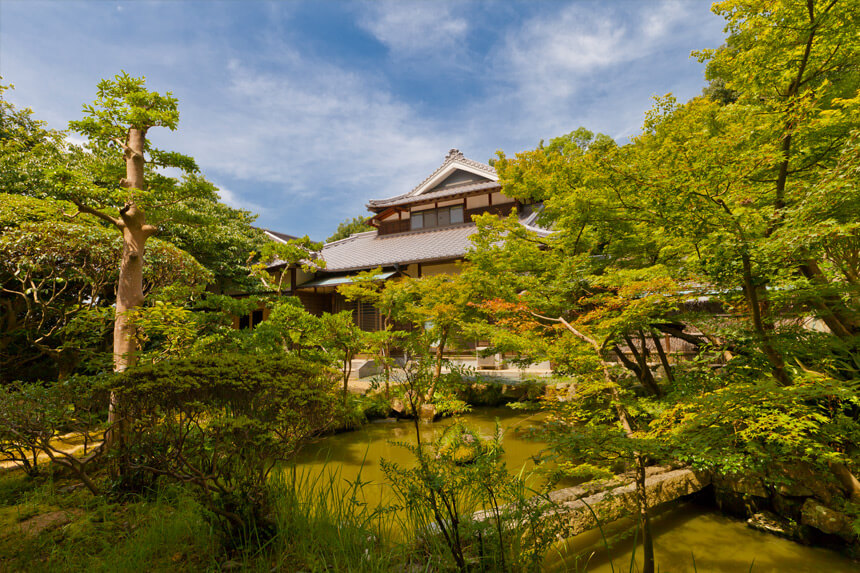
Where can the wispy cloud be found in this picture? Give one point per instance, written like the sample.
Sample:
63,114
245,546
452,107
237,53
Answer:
316,132
591,63
426,29
236,201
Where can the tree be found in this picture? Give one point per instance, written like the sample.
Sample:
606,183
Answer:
366,287
350,227
300,253
343,338
438,308
727,225
35,166
117,124
219,237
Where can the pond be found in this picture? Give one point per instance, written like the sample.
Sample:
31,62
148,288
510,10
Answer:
360,451
688,537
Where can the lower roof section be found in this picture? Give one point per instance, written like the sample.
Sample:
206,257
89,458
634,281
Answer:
342,279
370,250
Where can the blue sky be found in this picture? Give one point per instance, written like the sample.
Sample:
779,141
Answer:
303,111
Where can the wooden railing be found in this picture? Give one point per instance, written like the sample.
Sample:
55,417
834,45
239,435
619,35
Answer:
389,227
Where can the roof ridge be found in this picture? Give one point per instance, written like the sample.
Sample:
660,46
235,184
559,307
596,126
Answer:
454,154
429,195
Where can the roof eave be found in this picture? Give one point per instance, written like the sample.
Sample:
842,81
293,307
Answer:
419,200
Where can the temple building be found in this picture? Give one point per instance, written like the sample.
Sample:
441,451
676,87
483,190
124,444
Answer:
419,233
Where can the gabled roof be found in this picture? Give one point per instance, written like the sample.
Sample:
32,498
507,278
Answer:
454,161
448,193
276,236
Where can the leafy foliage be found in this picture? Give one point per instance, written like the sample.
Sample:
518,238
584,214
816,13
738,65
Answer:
222,423
464,497
40,423
350,227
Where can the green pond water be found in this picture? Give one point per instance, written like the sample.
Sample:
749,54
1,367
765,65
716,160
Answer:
687,537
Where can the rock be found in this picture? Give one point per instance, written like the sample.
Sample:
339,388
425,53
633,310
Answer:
802,480
745,484
741,495
787,506
826,519
397,405
670,485
618,498
369,368
427,412
771,523
34,526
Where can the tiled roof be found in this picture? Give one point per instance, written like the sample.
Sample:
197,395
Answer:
454,156
452,191
368,250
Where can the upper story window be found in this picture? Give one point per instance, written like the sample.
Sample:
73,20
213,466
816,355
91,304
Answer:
441,217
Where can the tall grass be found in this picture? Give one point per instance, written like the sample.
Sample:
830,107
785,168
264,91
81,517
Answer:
325,523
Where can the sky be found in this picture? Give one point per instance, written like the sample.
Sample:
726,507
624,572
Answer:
301,112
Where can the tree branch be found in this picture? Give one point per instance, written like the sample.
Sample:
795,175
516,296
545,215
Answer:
101,215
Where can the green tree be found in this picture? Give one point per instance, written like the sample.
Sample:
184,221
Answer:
344,339
350,227
117,124
726,225
302,253
222,423
57,279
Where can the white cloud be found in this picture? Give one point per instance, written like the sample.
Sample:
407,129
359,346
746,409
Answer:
300,137
234,200
410,29
550,52
313,125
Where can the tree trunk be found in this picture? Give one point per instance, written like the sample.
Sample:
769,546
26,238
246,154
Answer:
664,360
829,305
644,522
773,356
437,373
641,369
627,426
347,371
849,482
129,293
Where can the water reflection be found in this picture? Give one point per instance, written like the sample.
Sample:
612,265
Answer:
698,539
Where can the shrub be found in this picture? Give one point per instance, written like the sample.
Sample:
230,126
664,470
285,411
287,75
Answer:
221,423
36,416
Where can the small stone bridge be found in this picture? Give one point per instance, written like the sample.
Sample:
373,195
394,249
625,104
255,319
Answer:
615,498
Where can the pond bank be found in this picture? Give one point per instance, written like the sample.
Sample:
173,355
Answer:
358,453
